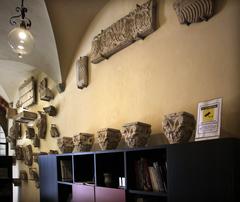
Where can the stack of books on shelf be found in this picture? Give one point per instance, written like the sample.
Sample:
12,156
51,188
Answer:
66,170
151,176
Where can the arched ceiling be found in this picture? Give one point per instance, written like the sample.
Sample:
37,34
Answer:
56,39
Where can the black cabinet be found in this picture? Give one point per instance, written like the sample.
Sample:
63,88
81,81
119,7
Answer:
199,171
48,178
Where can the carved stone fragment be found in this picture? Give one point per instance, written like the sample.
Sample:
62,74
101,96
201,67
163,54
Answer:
42,125
19,152
25,117
36,156
27,93
54,131
23,175
15,130
51,110
82,72
136,134
45,93
30,133
65,144
61,87
178,127
191,11
11,113
36,141
83,142
28,155
136,25
34,176
53,151
108,138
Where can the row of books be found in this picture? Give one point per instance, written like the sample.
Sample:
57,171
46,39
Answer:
151,176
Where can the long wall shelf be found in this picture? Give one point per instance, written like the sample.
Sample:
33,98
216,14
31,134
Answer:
197,171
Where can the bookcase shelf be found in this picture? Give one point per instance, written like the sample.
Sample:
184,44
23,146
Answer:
198,171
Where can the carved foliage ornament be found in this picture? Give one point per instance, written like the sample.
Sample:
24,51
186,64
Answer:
83,142
178,127
65,144
191,11
136,25
108,138
82,72
45,93
42,125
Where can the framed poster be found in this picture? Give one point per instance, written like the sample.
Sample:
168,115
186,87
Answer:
209,119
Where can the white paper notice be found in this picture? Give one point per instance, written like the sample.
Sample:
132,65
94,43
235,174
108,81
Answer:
209,119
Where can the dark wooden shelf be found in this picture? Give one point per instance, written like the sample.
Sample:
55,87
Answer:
147,193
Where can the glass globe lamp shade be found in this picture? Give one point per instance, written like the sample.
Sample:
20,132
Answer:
21,40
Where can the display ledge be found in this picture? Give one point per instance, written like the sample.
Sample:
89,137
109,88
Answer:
147,193
66,183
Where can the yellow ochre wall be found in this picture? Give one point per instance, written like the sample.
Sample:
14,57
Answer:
172,70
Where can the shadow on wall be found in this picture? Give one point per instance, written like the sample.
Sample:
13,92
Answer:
219,6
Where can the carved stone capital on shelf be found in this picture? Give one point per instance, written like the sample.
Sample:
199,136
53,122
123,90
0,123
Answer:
23,175
19,152
178,127
108,138
54,131
36,141
53,151
28,155
82,72
45,93
83,142
30,133
25,117
136,25
136,134
191,11
65,144
51,110
42,125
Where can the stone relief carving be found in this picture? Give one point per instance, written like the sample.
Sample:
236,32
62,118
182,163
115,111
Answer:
30,133
83,142
136,134
82,72
28,155
53,151
36,141
136,25
191,11
108,138
45,93
65,144
25,117
23,175
51,110
19,152
54,131
42,125
15,130
178,127
27,93
36,156
34,175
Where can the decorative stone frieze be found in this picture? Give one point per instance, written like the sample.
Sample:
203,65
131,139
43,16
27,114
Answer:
191,11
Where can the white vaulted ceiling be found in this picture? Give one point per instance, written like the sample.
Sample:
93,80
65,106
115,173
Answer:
56,39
